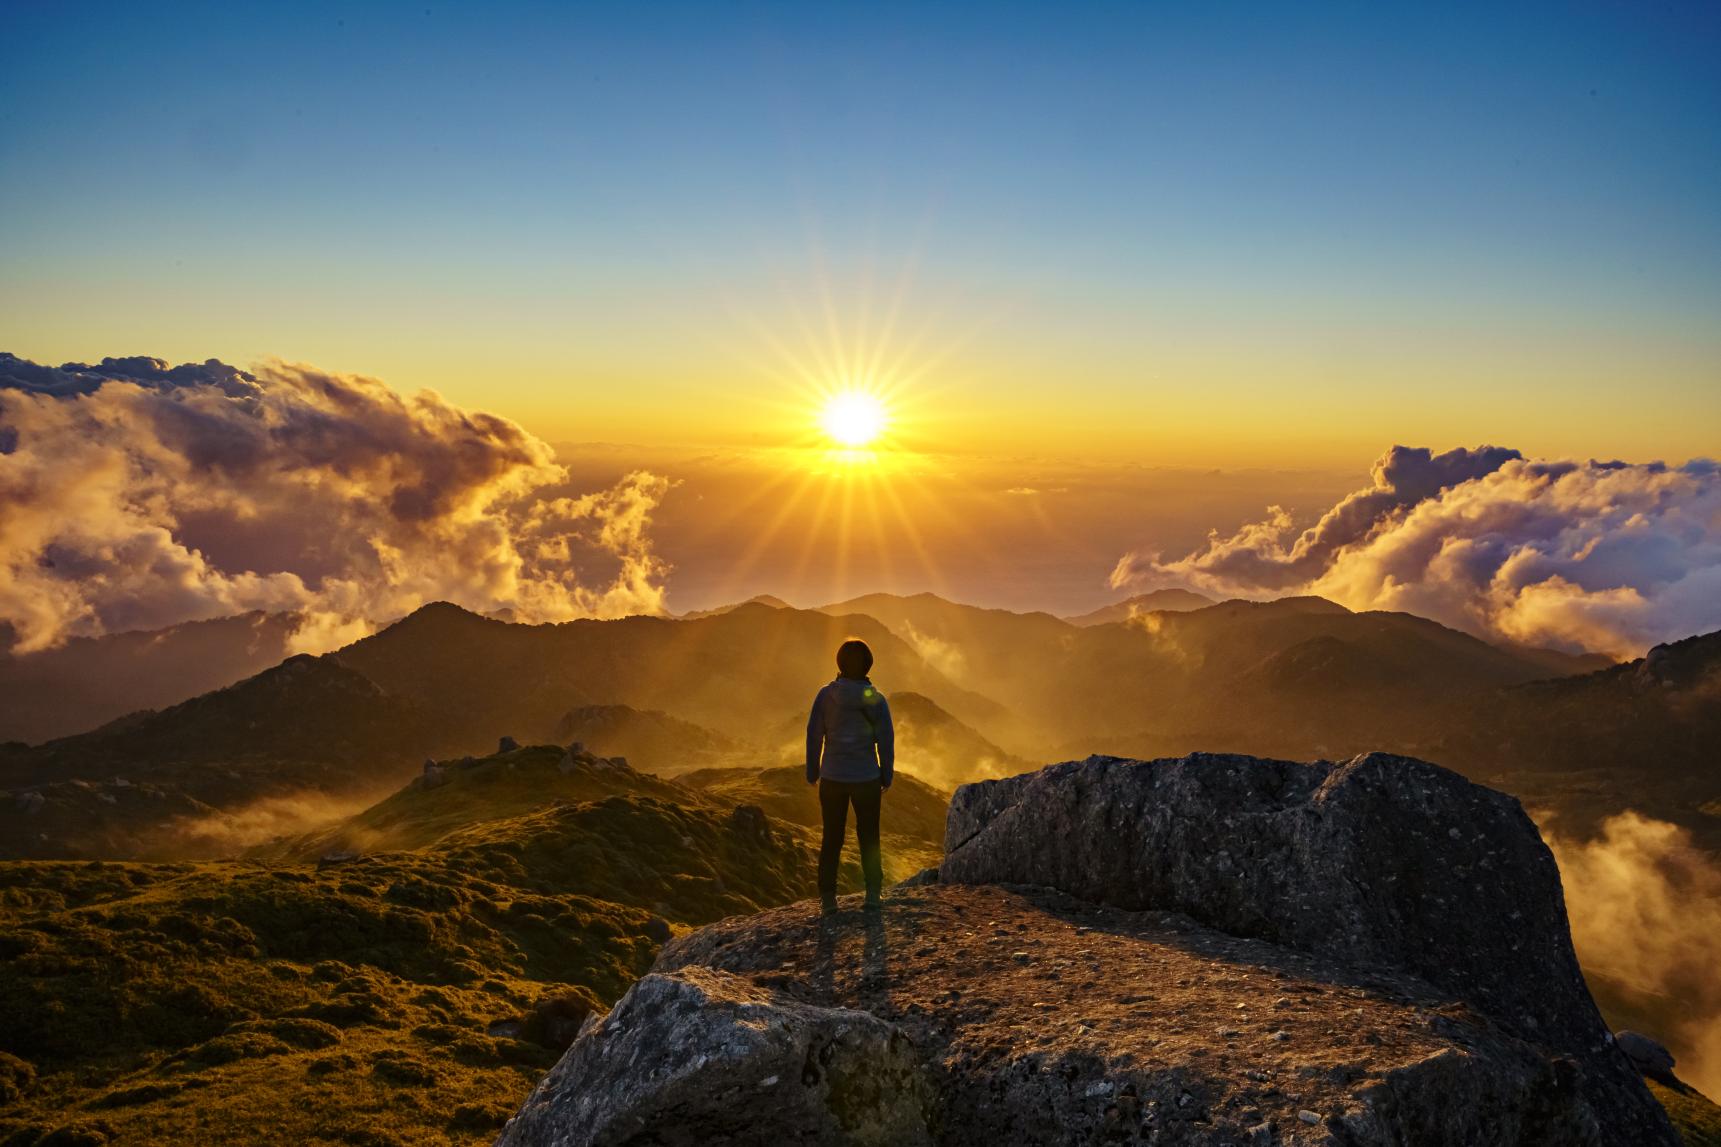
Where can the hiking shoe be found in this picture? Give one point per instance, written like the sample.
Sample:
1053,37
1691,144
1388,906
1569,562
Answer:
828,906
873,903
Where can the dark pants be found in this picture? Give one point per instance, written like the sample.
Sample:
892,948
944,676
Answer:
834,799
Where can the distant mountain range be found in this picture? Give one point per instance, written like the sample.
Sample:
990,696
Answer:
977,692
92,680
771,600
1158,601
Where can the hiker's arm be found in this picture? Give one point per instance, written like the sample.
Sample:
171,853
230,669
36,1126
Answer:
886,745
815,737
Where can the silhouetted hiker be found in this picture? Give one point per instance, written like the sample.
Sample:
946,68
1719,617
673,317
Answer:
851,754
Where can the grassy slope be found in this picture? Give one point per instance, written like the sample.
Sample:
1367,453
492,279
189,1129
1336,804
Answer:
1694,1115
350,1004
289,1004
500,786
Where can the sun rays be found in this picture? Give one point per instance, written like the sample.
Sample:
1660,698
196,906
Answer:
855,384
856,468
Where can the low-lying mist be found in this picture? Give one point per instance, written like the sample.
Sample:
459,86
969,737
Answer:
231,832
1645,908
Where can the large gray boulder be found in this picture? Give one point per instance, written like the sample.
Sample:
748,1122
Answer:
701,1056
1207,951
1380,861
1042,1019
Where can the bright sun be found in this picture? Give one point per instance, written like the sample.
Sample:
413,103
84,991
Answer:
853,418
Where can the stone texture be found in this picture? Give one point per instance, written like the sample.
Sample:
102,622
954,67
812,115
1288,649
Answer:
1647,1055
750,820
1379,861
699,1056
1046,1020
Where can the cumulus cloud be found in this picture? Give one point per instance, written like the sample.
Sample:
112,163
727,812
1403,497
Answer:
1645,908
1604,556
135,495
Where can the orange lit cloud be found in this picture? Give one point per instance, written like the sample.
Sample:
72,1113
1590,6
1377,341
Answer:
137,495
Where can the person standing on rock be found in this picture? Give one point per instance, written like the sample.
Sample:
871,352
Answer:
851,756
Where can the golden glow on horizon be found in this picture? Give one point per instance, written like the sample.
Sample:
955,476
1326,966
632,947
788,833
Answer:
857,393
854,397
853,418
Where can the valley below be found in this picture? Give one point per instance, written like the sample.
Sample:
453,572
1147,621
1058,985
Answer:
372,897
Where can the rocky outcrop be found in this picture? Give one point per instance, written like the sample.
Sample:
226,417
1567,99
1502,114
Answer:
1380,861
1649,1056
703,1056
1213,950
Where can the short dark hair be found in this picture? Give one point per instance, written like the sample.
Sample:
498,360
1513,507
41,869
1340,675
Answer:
854,659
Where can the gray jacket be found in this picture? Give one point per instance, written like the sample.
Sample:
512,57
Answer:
849,734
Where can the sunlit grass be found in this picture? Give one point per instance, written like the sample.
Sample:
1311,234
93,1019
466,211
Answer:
291,1003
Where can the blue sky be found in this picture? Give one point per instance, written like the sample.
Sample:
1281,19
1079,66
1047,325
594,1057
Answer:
577,214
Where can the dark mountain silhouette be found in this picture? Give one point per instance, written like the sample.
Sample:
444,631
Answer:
967,642
1664,707
1313,678
92,680
1159,600
1239,674
444,682
1645,735
308,722
156,784
1028,682
943,748
734,673
977,693
757,599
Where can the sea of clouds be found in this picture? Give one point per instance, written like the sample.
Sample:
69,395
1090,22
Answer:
1609,557
135,495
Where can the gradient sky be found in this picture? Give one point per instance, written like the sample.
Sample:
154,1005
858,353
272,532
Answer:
1183,234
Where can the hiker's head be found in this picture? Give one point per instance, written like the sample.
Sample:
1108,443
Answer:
854,659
